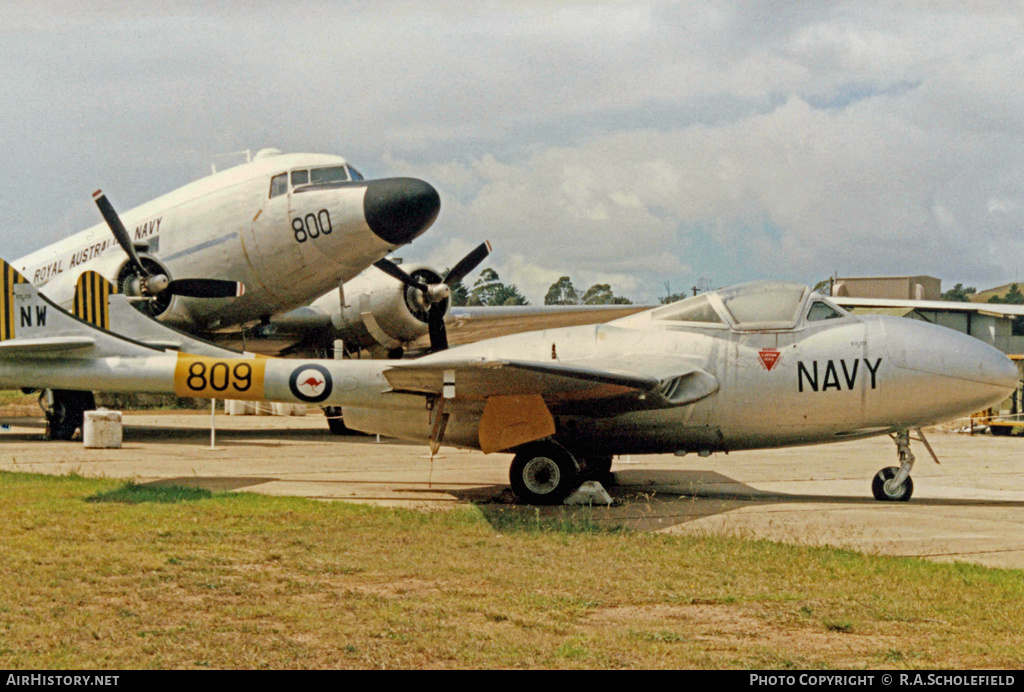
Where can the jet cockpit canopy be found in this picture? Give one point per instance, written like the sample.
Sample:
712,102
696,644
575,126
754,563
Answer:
753,306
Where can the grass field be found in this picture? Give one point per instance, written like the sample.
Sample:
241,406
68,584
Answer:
100,574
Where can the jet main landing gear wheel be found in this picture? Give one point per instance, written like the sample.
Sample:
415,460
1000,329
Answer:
543,473
67,412
334,421
596,468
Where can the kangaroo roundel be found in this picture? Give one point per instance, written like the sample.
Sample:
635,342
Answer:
311,383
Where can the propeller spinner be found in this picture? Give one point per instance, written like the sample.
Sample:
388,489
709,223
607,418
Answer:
147,284
433,296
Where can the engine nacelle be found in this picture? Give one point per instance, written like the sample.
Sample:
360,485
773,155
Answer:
116,267
377,309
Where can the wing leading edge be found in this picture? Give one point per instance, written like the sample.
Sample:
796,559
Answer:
565,386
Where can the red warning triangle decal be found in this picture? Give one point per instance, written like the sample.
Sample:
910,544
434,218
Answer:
769,357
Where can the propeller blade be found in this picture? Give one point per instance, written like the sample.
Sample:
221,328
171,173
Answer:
468,263
206,288
435,325
393,270
119,231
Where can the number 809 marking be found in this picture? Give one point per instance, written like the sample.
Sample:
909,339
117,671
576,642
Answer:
211,378
239,377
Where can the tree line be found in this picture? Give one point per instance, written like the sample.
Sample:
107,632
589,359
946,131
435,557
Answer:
489,289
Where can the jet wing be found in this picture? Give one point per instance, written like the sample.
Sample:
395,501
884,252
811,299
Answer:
587,386
878,305
471,324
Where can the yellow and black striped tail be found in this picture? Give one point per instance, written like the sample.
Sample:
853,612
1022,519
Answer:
92,299
10,276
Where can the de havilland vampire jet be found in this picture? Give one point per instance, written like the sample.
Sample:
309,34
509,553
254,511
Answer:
765,364
239,246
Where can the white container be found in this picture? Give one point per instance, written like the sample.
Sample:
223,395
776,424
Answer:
281,409
102,429
237,407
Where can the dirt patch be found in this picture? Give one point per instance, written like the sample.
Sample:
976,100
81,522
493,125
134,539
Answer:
747,627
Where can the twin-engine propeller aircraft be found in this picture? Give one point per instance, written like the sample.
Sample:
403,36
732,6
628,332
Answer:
389,309
765,364
386,310
239,246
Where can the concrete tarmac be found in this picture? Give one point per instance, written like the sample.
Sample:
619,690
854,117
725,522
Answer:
969,508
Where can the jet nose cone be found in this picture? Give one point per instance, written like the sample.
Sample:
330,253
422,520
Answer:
995,368
400,209
979,370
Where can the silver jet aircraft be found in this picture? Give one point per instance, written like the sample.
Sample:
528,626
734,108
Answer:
764,364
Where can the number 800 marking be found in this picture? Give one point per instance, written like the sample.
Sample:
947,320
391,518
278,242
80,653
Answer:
312,225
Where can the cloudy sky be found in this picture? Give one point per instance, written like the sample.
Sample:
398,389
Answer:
646,144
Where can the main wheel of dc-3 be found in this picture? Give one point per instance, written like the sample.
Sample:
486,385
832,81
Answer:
543,474
901,494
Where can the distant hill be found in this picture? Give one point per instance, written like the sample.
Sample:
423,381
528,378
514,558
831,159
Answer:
999,291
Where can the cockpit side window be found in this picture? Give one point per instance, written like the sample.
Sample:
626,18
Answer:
820,310
300,178
356,175
696,309
279,185
334,174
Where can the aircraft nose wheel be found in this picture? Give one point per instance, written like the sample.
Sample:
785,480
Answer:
893,484
543,474
885,489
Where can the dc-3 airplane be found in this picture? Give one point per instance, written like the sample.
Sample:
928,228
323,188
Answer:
237,247
764,364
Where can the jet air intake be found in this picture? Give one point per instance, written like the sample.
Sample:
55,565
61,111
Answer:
398,210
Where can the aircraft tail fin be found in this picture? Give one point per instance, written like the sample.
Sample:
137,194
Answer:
9,276
92,299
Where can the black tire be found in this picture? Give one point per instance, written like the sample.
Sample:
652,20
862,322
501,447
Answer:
597,467
543,474
878,486
1000,430
68,413
334,420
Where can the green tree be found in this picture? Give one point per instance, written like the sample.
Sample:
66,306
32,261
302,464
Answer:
562,292
1013,296
489,290
702,286
601,294
959,293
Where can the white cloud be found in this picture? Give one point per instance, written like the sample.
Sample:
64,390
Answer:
625,142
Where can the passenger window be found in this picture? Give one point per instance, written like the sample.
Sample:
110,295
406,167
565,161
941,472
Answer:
300,178
279,185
